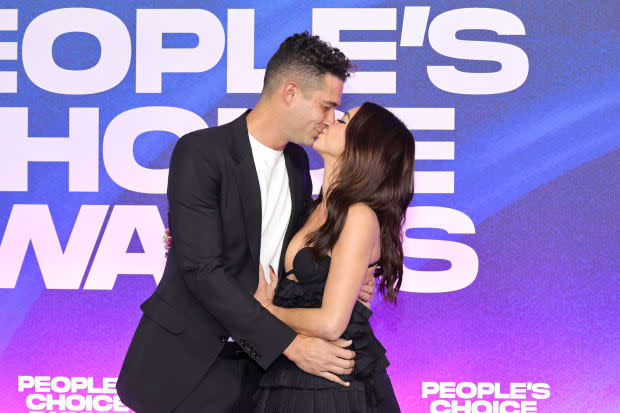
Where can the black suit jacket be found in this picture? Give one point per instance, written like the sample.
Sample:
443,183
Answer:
205,294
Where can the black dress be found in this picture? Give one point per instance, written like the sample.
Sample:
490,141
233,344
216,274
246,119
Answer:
285,388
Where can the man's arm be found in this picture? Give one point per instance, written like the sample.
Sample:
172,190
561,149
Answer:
193,188
193,195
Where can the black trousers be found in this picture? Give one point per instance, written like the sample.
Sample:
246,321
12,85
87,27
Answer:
228,385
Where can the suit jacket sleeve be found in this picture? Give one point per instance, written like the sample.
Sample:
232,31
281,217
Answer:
193,195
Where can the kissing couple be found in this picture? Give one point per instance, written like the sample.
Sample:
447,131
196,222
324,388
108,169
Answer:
264,303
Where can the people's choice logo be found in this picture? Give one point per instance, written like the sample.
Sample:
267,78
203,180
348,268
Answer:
484,397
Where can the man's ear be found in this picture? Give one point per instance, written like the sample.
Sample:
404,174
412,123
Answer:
290,92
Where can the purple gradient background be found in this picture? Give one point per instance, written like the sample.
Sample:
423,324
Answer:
536,170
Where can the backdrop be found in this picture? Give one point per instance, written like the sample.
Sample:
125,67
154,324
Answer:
510,294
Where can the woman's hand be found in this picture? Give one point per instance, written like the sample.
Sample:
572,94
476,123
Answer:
265,291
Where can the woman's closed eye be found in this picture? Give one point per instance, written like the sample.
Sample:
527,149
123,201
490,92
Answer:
341,121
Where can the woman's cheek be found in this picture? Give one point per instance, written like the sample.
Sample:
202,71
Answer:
341,143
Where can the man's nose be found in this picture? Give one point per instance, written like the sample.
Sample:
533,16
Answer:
330,118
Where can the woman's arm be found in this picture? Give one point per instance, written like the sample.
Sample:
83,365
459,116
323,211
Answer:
349,264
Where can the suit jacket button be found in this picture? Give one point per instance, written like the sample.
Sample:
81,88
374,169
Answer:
223,338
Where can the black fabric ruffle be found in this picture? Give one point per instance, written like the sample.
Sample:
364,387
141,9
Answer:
291,294
287,400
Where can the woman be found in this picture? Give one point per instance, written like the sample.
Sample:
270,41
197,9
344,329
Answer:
353,233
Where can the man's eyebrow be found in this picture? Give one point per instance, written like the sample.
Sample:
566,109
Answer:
330,103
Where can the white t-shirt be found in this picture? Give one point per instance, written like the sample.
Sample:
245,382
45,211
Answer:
276,206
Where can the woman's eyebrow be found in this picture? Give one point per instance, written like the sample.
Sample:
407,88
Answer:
347,113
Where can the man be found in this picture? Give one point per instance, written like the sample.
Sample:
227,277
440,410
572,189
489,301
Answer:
237,194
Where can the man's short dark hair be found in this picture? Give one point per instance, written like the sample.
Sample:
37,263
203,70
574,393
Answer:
307,59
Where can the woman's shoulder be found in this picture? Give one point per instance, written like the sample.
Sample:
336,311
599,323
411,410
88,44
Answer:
361,217
362,213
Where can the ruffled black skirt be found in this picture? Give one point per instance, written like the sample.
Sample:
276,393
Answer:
293,390
285,388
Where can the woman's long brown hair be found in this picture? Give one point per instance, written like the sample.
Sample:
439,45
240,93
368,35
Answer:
376,169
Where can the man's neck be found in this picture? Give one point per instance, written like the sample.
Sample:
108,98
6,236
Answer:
264,125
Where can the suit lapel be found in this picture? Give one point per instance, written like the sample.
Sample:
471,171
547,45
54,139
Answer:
249,188
247,184
295,182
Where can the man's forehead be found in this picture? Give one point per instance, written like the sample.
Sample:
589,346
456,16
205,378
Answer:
331,93
327,98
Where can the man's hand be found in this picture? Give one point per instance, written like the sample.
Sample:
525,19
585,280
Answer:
367,293
265,291
167,240
322,358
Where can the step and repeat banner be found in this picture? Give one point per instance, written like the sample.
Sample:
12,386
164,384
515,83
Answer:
510,295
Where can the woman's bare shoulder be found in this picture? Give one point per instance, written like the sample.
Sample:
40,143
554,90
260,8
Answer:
361,213
361,219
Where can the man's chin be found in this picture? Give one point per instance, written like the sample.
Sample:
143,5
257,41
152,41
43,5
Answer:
310,141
